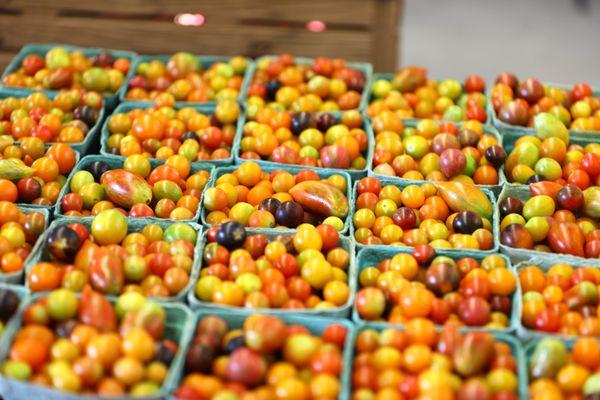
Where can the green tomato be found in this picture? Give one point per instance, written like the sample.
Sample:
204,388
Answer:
310,152
58,57
225,70
336,222
249,283
307,255
179,230
548,168
532,296
381,88
206,286
538,227
470,166
18,370
538,206
128,302
144,389
167,190
547,125
96,79
79,179
450,88
592,384
109,227
239,64
454,113
92,193
62,304
416,146
135,268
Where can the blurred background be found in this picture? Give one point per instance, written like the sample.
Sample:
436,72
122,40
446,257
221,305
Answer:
553,40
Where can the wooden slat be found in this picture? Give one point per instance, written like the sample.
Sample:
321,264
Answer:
387,32
335,11
161,37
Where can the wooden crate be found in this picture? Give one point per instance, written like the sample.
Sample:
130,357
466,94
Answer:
357,30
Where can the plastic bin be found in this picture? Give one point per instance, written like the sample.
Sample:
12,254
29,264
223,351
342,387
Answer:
371,257
522,193
316,325
390,181
204,108
39,253
515,131
41,49
341,311
489,129
515,345
293,169
354,173
116,162
179,328
80,147
205,62
17,277
366,68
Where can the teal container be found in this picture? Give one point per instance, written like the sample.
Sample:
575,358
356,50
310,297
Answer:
488,129
515,131
205,62
179,327
40,252
528,353
341,311
204,108
516,347
523,332
116,162
370,257
23,294
292,169
354,173
366,68
389,76
385,181
316,325
41,49
522,193
17,277
81,148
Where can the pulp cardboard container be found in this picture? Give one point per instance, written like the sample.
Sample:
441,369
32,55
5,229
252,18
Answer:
204,108
41,49
341,311
179,328
205,62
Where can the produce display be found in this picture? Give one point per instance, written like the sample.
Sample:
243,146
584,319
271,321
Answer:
307,269
68,117
32,174
136,187
163,131
87,345
320,140
60,68
553,218
186,77
421,289
113,258
320,84
259,199
405,364
296,188
560,299
434,151
446,215
263,356
551,159
410,93
558,371
518,102
19,232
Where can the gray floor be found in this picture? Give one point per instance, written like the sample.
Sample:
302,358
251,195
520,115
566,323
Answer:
552,40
